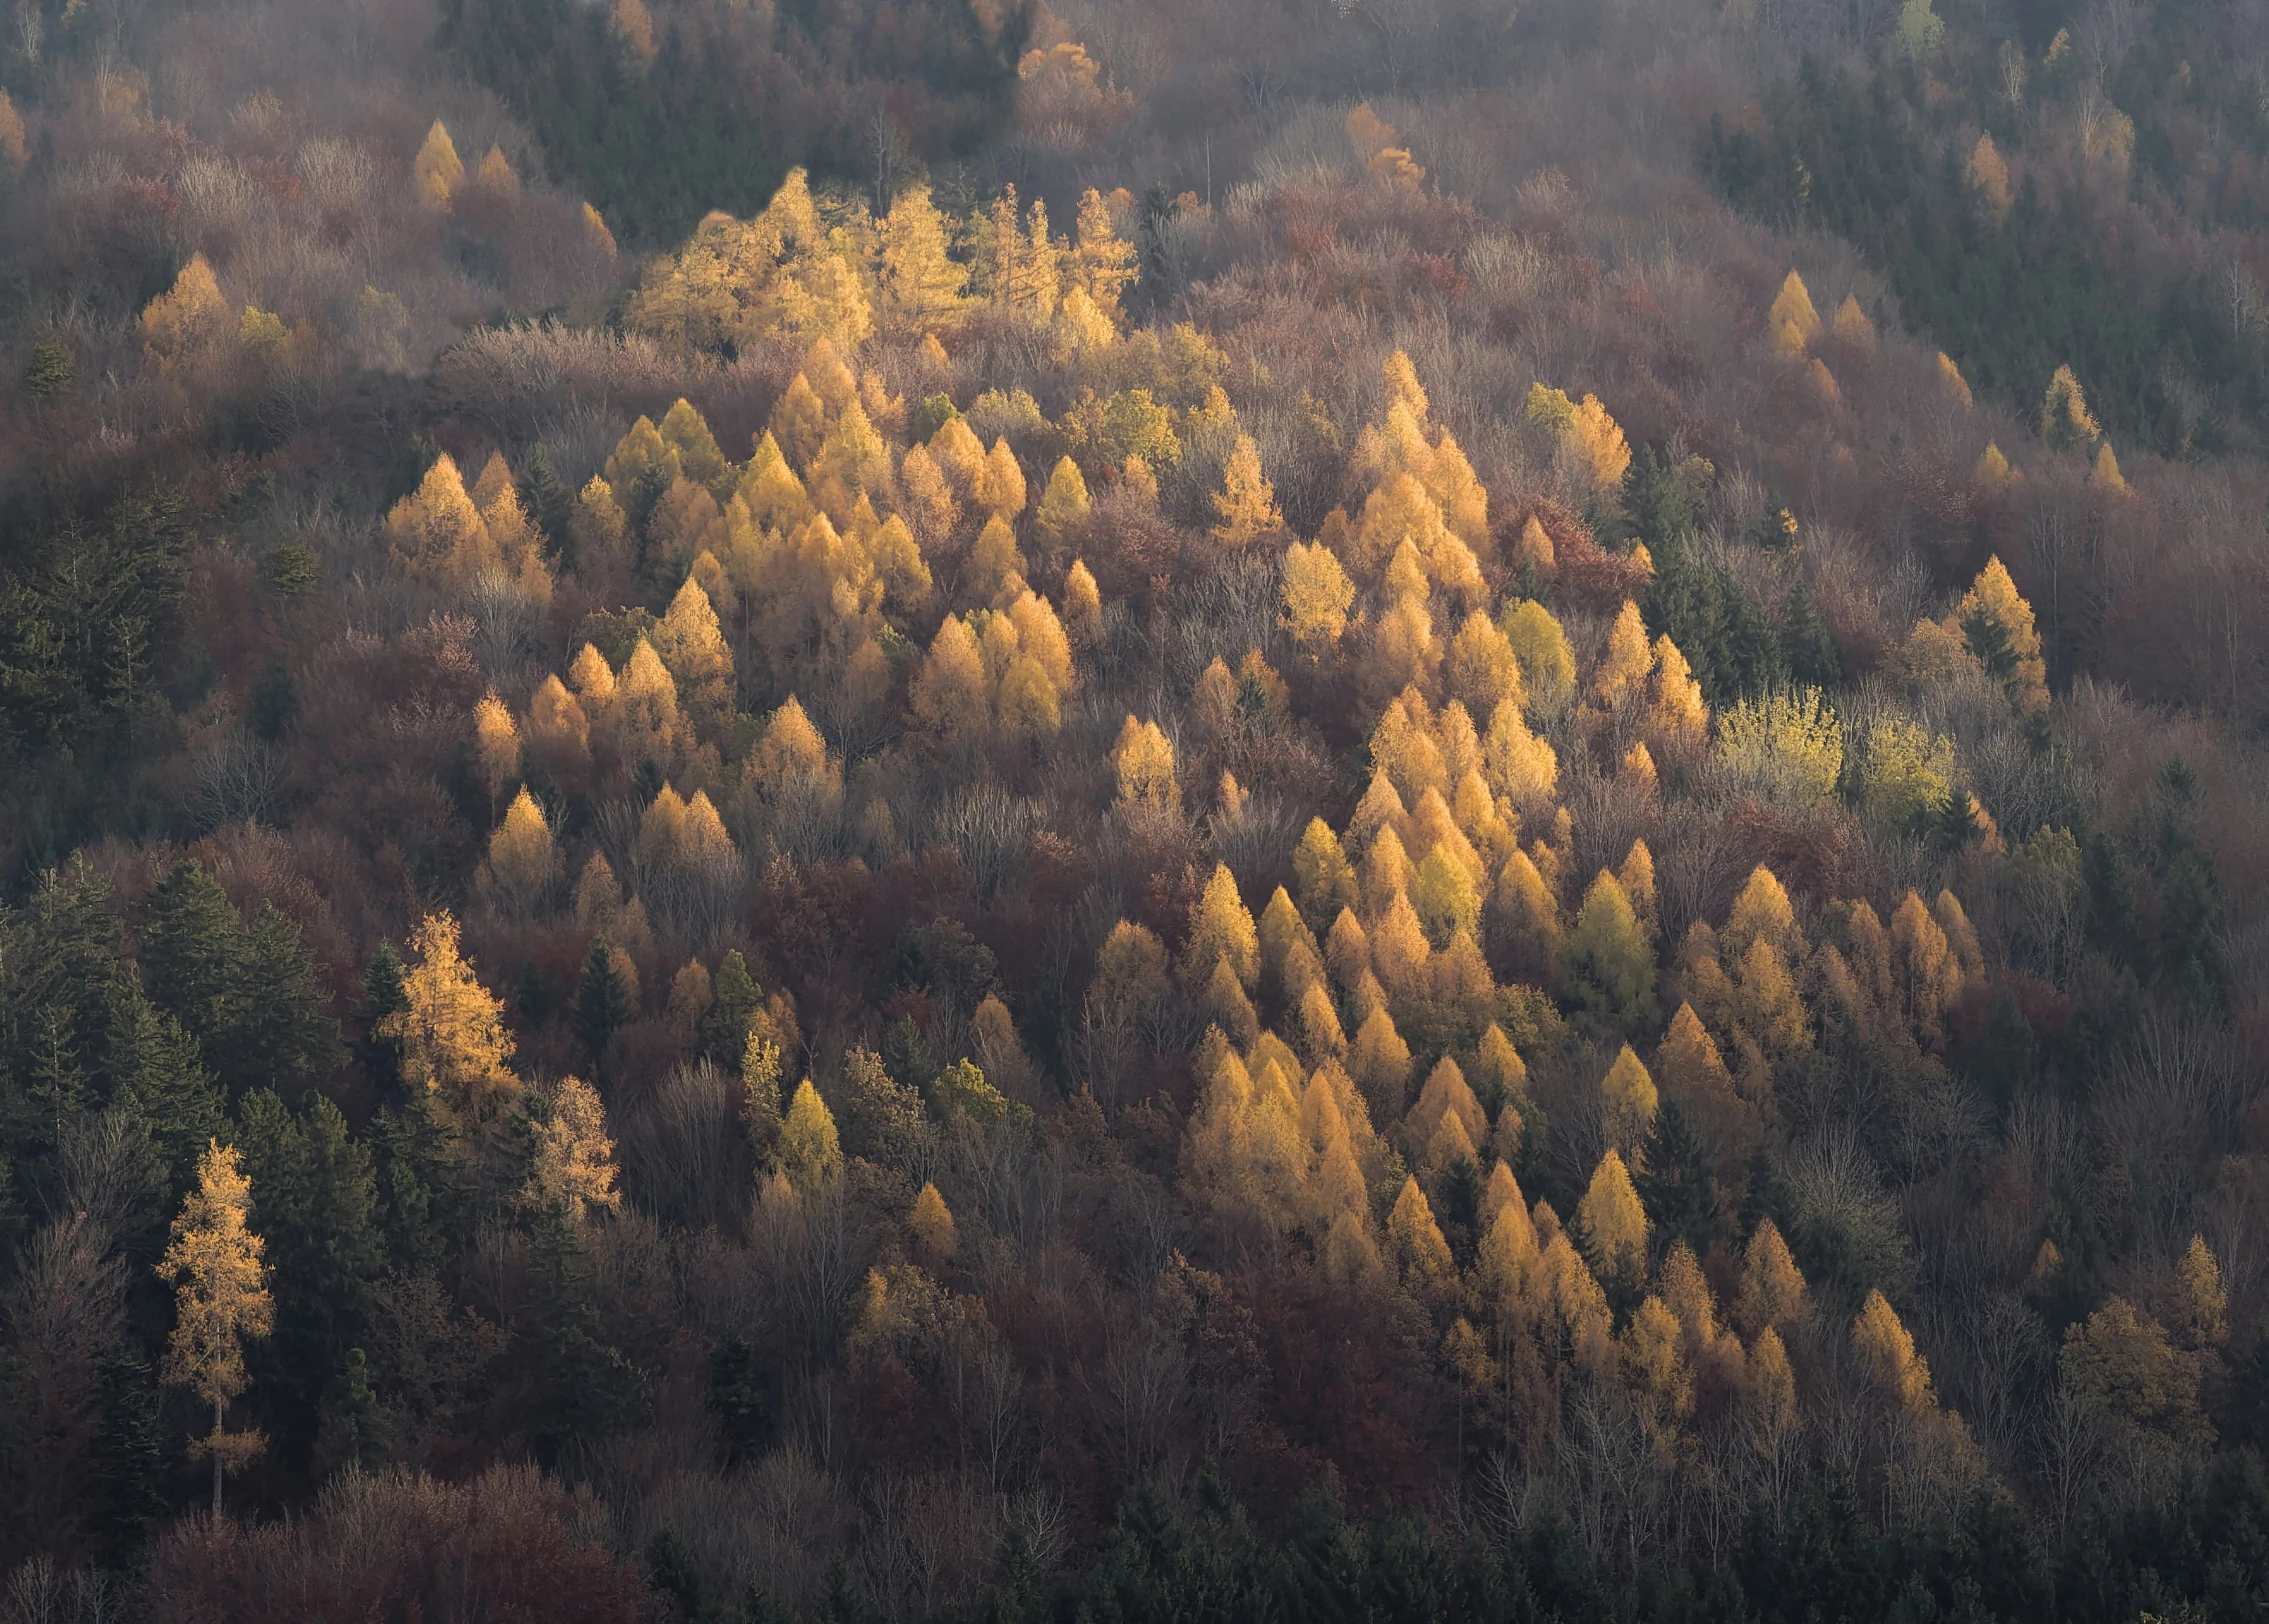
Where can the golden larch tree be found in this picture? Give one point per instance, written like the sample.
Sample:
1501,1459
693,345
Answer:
573,1169
1245,506
437,168
810,1151
1614,1222
1792,321
221,1301
1999,625
454,1041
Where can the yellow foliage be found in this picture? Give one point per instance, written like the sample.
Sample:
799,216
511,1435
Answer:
2201,1303
1628,1099
595,231
1993,611
1951,376
1988,172
187,314
521,858
2120,1365
13,152
1144,761
1245,506
1773,1292
1221,927
1789,744
437,168
496,746
780,278
1852,328
215,1262
1792,321
1614,1223
1065,502
573,1167
931,1225
1547,661
1322,874
452,1034
1423,1256
1887,1356
811,1152
632,24
2065,419
2105,476
1624,667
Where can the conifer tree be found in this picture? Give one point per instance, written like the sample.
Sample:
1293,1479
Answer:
192,953
1144,761
453,1041
1614,1223
496,747
221,1301
13,151
1323,876
1887,1356
188,314
1065,501
1547,662
1423,1256
1608,960
2066,423
1317,594
1792,320
315,1201
1221,928
1773,1293
810,1153
572,1170
930,1223
437,168
1245,506
1628,1100
922,287
2105,476
1105,260
1998,624
1624,667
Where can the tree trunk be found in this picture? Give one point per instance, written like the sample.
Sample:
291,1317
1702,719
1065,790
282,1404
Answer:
216,1462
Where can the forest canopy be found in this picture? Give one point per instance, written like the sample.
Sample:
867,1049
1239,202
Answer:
902,811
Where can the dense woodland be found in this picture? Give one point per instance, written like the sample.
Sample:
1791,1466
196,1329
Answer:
1394,810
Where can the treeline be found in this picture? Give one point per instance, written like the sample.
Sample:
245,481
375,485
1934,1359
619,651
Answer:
2013,274
662,116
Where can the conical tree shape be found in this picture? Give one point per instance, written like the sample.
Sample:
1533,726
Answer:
1614,1222
810,1151
1887,1356
1428,1271
1773,1292
437,168
1608,959
1792,320
221,1302
1245,507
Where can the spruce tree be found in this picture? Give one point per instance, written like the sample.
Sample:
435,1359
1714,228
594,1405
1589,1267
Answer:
193,960
602,1001
1674,1182
315,1198
734,1000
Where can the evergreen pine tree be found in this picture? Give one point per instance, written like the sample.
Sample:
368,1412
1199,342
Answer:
602,1000
193,960
315,1199
128,1458
1674,1182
